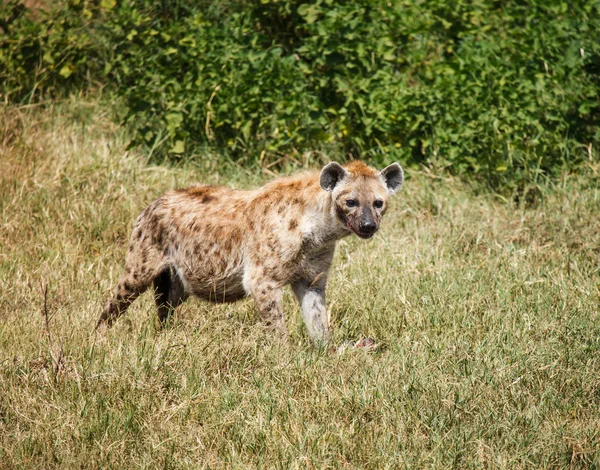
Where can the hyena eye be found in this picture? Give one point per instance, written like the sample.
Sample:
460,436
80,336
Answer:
351,202
378,204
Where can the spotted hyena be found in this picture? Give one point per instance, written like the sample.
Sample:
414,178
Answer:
222,245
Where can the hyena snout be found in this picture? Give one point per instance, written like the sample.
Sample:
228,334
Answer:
368,226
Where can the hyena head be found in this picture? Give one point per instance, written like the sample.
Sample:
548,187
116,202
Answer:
360,193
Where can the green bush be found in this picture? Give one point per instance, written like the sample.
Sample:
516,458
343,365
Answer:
503,90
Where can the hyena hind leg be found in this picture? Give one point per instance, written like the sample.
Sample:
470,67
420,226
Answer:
170,293
134,282
124,296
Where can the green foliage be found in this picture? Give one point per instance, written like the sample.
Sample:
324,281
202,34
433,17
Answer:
504,90
45,53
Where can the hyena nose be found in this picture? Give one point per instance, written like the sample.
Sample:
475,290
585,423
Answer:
368,227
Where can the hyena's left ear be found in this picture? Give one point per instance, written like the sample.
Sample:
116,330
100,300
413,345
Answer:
331,175
393,177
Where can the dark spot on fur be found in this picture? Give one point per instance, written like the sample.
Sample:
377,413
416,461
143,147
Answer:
139,234
340,213
235,236
261,198
130,248
293,224
201,193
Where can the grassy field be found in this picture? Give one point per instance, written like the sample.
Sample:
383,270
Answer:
487,314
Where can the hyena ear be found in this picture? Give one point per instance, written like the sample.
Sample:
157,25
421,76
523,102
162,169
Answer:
331,175
393,177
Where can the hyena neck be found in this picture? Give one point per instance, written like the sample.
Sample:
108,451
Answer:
320,223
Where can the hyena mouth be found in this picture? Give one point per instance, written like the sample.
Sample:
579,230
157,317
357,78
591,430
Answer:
362,234
365,235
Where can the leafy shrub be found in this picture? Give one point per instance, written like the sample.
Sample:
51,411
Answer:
500,89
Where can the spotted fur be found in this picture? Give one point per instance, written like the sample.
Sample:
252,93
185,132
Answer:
222,245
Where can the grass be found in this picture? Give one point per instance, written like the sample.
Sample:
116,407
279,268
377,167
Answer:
487,313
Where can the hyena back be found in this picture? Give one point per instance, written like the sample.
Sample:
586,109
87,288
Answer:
222,245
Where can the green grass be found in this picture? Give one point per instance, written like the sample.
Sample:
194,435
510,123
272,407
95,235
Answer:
487,313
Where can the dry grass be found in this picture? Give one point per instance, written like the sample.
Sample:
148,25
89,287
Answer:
488,315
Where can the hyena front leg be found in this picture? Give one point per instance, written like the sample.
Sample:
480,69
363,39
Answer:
267,297
311,296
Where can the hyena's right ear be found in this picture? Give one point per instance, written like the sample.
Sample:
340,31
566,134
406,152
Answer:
331,175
